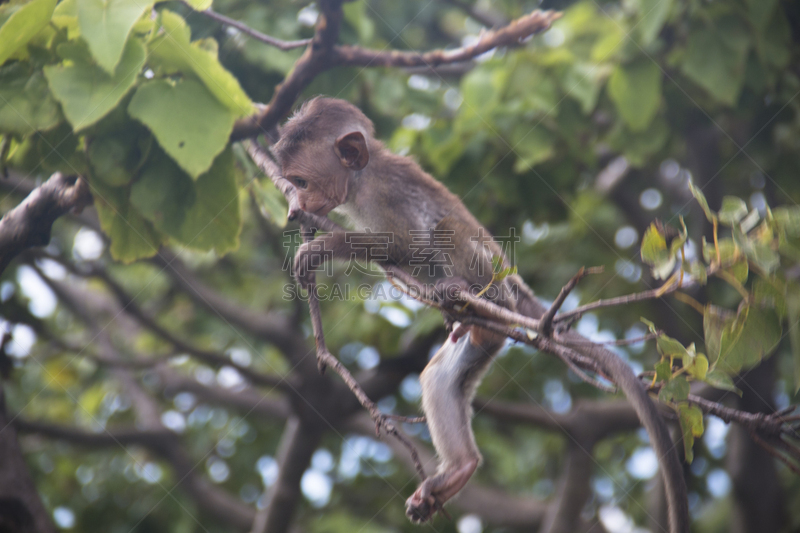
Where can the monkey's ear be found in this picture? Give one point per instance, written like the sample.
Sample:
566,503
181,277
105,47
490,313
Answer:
352,150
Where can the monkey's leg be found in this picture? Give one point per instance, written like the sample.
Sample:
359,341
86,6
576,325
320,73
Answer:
448,385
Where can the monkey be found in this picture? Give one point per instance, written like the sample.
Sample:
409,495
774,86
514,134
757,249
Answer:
328,151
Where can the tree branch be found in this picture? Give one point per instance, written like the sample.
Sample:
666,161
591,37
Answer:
298,443
315,60
29,224
513,34
247,30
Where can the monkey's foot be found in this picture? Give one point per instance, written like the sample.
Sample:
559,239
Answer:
421,508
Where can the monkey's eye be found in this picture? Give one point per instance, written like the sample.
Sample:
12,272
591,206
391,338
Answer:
300,183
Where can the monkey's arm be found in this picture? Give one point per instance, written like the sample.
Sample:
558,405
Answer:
345,246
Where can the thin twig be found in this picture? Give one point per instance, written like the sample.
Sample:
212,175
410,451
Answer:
619,300
546,322
768,424
774,452
326,359
247,30
571,358
619,342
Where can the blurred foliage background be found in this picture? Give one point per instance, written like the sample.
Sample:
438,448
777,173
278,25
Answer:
566,148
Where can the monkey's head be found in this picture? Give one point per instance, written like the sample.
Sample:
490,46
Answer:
322,148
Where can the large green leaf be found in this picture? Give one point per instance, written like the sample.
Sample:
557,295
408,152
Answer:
636,92
105,25
716,56
173,113
23,24
26,104
532,147
214,221
132,236
747,339
202,214
115,157
86,92
173,52
653,15
164,193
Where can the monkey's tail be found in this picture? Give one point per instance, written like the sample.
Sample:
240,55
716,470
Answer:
622,375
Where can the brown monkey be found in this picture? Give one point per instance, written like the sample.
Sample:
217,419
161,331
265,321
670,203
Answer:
327,150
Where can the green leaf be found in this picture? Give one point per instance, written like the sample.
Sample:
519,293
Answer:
653,15
198,5
106,24
65,17
582,81
714,321
164,193
654,252
173,52
271,202
534,147
25,101
192,138
757,251
202,214
701,199
663,370
698,271
654,246
132,237
116,157
635,89
691,420
721,380
716,57
670,347
732,211
675,390
772,293
699,367
22,25
739,270
746,340
86,92
788,220
215,218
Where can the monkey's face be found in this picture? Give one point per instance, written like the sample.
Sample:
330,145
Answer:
320,180
321,172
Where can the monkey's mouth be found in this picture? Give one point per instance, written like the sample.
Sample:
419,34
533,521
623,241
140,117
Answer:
323,211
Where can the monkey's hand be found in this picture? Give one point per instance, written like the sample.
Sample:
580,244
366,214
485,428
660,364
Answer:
309,258
447,290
